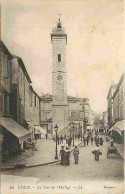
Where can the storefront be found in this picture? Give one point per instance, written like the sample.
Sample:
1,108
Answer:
14,135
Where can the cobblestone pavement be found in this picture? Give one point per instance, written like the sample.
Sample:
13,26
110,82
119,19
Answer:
88,169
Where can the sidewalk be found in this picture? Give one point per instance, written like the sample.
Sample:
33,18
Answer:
44,155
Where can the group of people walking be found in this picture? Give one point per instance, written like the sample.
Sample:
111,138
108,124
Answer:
89,138
65,155
61,138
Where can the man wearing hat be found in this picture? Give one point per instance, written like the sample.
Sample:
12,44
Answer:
62,155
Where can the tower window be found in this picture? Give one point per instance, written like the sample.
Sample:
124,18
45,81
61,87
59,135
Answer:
59,57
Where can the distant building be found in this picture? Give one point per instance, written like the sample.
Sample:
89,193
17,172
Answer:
91,119
105,120
78,110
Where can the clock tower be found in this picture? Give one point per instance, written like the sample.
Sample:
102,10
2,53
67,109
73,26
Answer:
59,77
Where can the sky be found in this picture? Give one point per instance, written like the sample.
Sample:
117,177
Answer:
95,54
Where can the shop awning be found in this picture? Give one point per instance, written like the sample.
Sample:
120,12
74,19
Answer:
13,127
119,126
43,131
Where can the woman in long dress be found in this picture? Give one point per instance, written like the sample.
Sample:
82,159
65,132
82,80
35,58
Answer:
97,152
76,155
101,141
67,156
62,155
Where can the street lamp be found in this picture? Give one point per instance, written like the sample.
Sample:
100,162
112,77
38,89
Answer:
56,130
73,134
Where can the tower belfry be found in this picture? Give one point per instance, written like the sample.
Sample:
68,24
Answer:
59,76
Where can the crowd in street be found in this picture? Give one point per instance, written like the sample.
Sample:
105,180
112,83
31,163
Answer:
89,139
65,152
61,139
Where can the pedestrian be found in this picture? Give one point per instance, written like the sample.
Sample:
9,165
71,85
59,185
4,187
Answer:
97,152
111,141
101,141
84,140
61,139
67,139
67,157
34,146
87,140
96,140
92,140
46,135
69,142
70,139
76,155
62,155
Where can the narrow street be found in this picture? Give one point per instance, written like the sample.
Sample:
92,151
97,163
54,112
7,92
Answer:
110,168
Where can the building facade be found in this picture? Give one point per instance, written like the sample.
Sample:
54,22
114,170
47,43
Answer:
119,100
12,132
5,79
110,104
105,120
116,117
119,110
78,111
19,103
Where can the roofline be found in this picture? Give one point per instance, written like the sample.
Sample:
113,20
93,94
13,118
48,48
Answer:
109,91
119,83
35,93
3,46
111,86
31,88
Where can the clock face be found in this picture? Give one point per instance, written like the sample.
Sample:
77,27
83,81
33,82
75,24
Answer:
59,77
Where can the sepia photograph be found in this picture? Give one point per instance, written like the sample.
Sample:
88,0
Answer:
62,96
